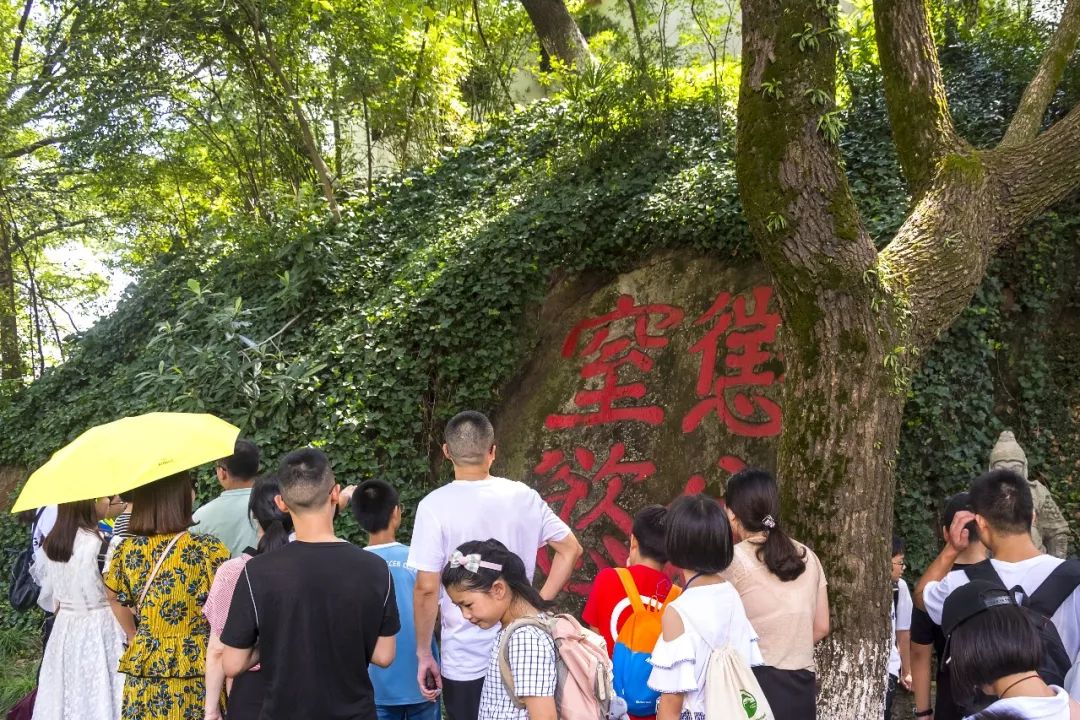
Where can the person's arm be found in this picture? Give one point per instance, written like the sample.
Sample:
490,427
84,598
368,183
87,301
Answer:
920,675
123,614
669,707
215,678
385,650
425,613
903,644
567,551
237,661
942,565
540,708
821,615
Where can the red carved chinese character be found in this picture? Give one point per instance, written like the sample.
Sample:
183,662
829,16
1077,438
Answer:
615,356
568,483
728,463
746,337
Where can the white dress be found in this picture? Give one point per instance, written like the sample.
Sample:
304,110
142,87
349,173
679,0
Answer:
79,678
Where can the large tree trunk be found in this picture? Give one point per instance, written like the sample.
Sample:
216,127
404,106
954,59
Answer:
856,320
10,359
558,32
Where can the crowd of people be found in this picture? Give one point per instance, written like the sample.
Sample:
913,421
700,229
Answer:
252,607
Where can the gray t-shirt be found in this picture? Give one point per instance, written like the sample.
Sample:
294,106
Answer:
226,518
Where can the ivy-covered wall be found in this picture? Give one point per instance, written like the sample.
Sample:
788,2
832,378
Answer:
365,338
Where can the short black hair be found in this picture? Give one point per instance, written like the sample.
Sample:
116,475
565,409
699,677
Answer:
649,530
959,502
243,464
469,436
698,536
1003,499
898,546
305,479
991,645
373,504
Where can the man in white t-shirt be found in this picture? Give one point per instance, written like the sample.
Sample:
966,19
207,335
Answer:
475,506
1003,510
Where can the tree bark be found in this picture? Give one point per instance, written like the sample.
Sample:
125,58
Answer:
855,319
558,32
11,366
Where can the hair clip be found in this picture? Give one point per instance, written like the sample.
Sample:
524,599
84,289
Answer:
768,522
472,562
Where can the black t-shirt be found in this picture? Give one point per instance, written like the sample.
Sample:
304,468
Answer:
320,609
925,631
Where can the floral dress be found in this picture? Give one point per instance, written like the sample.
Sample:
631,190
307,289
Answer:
166,662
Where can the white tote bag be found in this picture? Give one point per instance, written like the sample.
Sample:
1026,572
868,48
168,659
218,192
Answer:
731,690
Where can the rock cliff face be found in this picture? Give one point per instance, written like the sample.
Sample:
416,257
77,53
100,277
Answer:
660,381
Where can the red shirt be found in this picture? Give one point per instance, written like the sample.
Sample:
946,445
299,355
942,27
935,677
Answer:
608,607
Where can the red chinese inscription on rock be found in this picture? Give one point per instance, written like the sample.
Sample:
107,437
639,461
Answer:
584,491
611,357
734,391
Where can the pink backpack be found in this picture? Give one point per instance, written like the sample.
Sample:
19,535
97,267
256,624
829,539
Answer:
583,688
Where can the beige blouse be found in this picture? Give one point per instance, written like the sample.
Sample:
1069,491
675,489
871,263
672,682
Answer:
782,613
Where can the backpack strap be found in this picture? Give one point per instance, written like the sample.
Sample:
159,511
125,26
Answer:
1055,589
157,567
672,594
632,593
504,653
985,571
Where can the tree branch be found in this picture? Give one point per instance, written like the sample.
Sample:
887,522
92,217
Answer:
1038,174
38,144
922,126
1040,91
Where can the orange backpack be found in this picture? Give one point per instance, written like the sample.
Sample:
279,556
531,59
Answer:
634,646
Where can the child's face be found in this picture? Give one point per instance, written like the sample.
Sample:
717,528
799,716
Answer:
897,566
482,608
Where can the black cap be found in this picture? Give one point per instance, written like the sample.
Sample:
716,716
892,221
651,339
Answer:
967,601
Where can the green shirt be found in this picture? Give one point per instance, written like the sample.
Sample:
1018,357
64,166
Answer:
226,518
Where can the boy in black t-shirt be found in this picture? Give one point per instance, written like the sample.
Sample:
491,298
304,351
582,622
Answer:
314,613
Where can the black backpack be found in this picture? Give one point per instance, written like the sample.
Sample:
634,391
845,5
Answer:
1040,606
22,590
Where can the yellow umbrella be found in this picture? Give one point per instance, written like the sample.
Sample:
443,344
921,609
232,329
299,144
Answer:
125,454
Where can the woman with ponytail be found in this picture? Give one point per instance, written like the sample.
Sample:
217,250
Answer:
782,587
274,529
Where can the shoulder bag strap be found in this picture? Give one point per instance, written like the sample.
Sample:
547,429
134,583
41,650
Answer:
157,567
504,655
1055,589
632,593
251,592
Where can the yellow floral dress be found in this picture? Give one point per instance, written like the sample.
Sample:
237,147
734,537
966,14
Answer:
166,662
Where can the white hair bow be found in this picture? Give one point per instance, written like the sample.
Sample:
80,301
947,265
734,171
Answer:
472,562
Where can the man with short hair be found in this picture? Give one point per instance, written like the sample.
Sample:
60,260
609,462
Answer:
1049,530
899,663
475,506
226,517
1002,508
314,613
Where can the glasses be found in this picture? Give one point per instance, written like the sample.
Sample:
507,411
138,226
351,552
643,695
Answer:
899,563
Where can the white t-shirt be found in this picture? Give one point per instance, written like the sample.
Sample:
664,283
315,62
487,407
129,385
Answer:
901,620
713,616
1029,575
464,510
1032,708
44,524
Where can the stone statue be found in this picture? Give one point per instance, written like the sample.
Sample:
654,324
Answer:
1049,532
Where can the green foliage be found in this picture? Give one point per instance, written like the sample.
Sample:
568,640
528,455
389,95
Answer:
18,664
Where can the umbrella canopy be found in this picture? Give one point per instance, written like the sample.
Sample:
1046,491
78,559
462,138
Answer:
126,454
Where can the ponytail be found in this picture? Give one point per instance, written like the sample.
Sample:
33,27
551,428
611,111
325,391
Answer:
512,572
276,525
753,497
